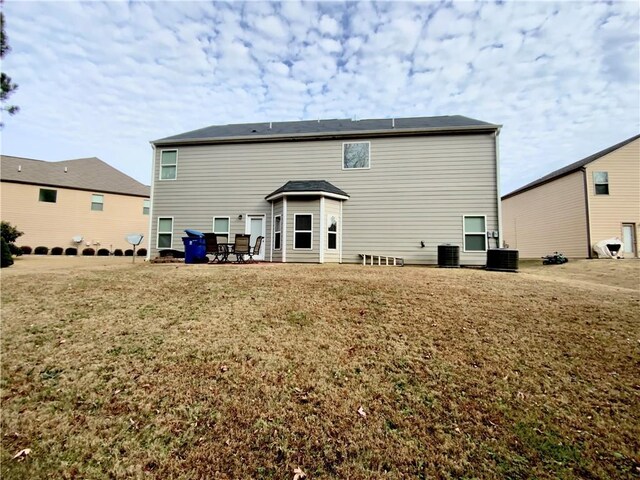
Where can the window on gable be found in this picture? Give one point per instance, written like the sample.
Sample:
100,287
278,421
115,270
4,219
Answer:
97,202
475,234
332,232
277,232
165,232
168,164
221,229
146,206
601,182
355,155
302,231
48,196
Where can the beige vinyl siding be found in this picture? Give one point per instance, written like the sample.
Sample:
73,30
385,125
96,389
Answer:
306,206
331,207
277,210
622,205
55,224
548,218
418,188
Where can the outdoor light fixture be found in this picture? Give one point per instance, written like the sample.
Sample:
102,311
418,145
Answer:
240,217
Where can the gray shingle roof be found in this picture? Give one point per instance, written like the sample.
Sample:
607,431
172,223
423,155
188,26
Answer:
300,186
570,168
82,174
339,127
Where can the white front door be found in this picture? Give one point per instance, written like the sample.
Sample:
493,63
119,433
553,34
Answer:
255,227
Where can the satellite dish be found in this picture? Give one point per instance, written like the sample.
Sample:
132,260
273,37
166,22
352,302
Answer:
77,239
134,239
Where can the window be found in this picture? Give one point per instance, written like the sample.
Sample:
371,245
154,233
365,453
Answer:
165,232
168,164
355,155
601,181
146,206
302,231
332,232
221,229
277,232
97,202
475,234
49,196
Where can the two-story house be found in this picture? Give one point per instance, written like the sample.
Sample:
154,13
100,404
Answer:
330,190
72,203
571,209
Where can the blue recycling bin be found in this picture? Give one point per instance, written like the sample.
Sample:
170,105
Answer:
195,249
193,233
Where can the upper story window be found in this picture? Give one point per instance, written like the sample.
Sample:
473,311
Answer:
146,206
356,155
277,232
221,229
165,232
97,202
49,196
168,164
475,233
601,182
332,232
302,231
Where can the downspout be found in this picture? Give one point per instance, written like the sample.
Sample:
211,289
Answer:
153,182
283,240
499,197
322,228
271,237
587,209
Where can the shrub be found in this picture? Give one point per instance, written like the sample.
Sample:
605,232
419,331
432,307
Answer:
26,250
103,252
118,252
88,252
7,260
128,253
9,232
56,251
71,251
41,250
142,252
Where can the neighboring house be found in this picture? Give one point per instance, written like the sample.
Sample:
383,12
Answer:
573,208
329,190
53,202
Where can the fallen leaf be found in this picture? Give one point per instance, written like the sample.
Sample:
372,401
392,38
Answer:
224,368
298,474
362,413
21,455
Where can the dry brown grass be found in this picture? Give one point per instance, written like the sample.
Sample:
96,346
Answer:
165,371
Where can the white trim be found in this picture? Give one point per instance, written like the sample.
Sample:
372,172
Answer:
302,231
322,223
274,231
153,181
464,233
158,232
499,197
340,235
247,229
160,165
273,234
358,168
283,240
320,193
213,226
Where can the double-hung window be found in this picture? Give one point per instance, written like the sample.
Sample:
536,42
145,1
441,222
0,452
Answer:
165,232
303,231
221,229
475,233
332,232
168,164
601,182
48,196
146,206
355,155
277,232
97,202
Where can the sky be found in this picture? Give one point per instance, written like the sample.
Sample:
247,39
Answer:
104,79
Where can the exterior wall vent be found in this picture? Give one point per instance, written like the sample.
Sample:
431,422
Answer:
19,168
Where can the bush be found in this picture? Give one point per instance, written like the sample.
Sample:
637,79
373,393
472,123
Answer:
71,251
10,235
88,252
171,253
128,253
118,252
56,251
26,250
7,260
14,249
142,252
41,250
103,252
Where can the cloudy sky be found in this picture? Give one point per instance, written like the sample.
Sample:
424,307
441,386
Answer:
103,79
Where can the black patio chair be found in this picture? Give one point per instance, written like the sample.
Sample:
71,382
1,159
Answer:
213,248
255,250
241,247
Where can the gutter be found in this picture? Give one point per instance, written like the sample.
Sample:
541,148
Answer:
587,210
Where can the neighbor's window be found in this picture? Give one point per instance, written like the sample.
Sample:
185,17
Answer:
302,231
168,164
97,202
277,232
601,181
146,206
221,229
332,232
475,234
165,232
355,155
49,196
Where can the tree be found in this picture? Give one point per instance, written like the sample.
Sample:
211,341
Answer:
9,235
6,84
7,260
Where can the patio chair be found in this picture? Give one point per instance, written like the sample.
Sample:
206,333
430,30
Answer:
241,247
255,250
213,248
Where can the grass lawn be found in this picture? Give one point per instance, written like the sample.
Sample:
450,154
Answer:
113,370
